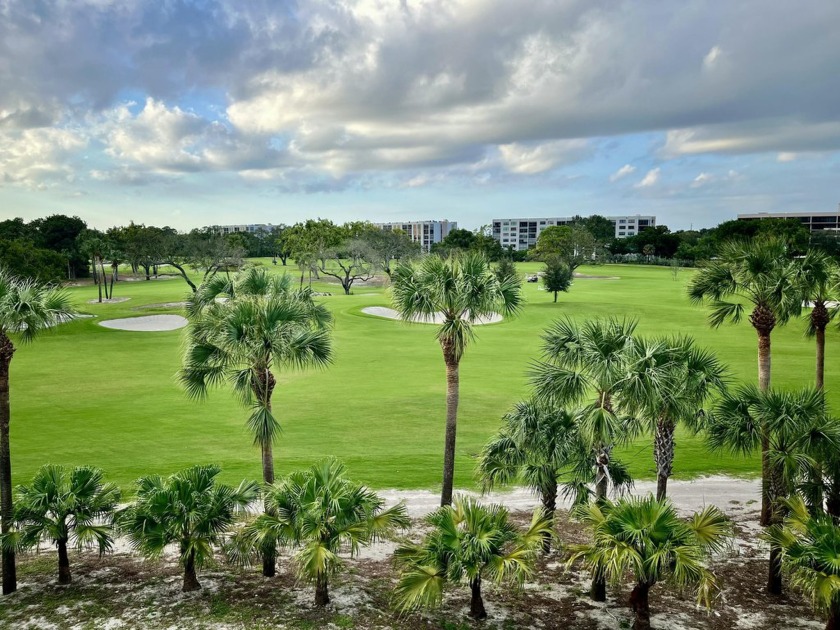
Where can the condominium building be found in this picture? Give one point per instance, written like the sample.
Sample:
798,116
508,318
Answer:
427,233
250,228
522,234
814,221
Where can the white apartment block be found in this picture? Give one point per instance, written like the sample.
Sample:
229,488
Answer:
427,233
814,221
250,228
522,234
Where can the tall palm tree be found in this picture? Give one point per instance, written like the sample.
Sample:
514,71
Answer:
818,278
796,429
463,290
668,382
27,308
65,506
759,273
810,547
468,542
188,509
589,362
646,538
321,512
263,326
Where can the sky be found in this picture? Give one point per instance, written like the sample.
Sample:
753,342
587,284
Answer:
190,113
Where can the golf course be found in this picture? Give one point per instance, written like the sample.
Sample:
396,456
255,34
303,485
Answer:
86,394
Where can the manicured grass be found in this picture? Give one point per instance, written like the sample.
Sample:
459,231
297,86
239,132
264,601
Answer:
83,394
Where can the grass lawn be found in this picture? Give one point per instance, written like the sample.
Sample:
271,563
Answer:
83,394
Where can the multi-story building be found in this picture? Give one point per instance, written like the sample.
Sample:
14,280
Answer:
250,228
522,234
814,221
427,233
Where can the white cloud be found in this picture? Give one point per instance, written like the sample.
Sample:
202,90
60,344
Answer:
533,159
624,171
650,178
786,156
712,58
701,179
39,157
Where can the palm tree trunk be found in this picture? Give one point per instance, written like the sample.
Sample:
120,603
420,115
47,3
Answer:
640,604
764,385
820,380
190,578
64,576
322,590
833,617
452,394
549,502
7,350
663,455
774,566
476,602
264,391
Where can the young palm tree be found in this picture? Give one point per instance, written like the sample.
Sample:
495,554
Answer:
27,308
188,509
794,426
263,326
590,360
668,381
322,513
469,542
646,538
66,506
818,278
810,547
463,290
759,273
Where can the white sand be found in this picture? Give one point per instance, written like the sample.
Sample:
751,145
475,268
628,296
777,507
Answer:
389,313
147,323
115,300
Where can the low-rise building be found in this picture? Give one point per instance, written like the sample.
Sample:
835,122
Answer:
427,233
814,221
250,228
522,234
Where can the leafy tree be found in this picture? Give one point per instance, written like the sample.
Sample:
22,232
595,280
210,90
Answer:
354,259
22,258
574,245
646,538
263,327
601,228
280,243
457,239
27,308
65,506
321,512
809,545
188,509
757,273
506,269
557,277
388,246
463,290
468,543
59,233
795,428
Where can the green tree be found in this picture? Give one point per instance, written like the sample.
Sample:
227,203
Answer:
506,269
468,543
647,539
321,512
462,290
794,426
810,547
188,509
557,277
264,326
27,308
353,260
66,506
757,273
574,245
391,245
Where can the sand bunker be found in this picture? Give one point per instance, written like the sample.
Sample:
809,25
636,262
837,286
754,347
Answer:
115,300
146,323
389,313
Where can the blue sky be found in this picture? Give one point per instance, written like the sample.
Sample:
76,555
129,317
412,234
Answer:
189,113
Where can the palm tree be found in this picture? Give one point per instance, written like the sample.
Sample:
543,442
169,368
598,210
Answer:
646,538
468,542
583,361
668,381
462,289
322,513
27,308
794,426
65,506
188,509
757,272
810,545
264,325
539,445
818,278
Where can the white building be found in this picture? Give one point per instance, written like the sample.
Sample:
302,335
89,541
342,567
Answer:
427,233
250,228
814,221
522,234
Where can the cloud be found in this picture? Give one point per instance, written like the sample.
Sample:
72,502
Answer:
712,58
38,158
539,158
625,170
650,179
786,156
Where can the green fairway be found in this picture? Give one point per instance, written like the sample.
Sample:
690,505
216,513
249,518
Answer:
83,394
